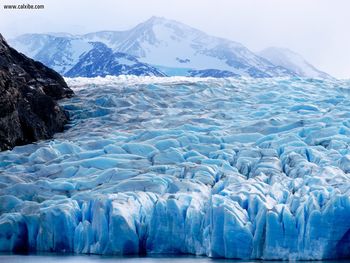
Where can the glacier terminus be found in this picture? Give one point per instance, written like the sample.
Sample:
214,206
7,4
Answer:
234,167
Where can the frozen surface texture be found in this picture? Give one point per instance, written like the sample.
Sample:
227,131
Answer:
236,168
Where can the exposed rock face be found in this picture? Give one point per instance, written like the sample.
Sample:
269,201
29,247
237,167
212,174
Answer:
28,90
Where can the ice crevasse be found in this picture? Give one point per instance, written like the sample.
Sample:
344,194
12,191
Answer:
234,168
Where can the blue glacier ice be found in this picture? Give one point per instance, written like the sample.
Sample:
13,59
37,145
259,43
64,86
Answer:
234,168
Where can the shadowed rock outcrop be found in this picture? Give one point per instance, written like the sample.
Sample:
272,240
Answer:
28,94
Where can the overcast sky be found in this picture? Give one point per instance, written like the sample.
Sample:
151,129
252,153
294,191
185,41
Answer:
317,29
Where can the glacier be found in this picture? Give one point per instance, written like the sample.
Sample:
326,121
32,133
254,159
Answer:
235,168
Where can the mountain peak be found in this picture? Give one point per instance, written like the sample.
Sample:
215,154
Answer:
162,21
156,20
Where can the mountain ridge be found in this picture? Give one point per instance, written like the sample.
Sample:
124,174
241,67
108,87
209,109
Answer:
158,43
293,61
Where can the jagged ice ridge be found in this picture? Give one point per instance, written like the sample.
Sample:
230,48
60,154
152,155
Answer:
235,168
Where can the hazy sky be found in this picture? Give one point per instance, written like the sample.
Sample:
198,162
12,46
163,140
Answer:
317,29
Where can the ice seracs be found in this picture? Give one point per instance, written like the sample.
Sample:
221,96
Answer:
233,168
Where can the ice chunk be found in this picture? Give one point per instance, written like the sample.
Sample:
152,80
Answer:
170,156
139,149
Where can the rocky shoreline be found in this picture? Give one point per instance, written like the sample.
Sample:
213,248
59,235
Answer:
28,94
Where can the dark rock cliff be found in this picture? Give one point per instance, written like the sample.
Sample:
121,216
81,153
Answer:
28,94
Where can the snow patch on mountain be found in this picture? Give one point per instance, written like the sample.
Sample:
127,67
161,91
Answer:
292,61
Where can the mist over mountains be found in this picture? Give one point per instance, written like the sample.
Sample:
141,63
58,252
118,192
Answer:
159,47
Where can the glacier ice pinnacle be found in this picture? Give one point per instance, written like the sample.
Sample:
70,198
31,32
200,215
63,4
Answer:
234,168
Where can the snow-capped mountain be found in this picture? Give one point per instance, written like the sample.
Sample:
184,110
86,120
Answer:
170,46
74,56
102,61
292,61
58,52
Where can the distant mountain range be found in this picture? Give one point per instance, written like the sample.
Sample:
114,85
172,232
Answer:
159,47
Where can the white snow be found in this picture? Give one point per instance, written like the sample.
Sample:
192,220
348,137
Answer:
124,61
78,48
30,44
292,61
